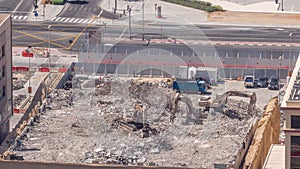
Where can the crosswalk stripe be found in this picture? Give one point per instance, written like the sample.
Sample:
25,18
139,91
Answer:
76,20
25,17
85,21
58,19
90,21
15,17
66,20
80,20
63,19
52,19
72,20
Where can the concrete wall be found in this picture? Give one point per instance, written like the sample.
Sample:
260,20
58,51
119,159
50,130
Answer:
240,156
40,165
37,99
6,80
267,133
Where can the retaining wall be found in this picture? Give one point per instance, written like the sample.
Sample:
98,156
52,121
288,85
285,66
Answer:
267,133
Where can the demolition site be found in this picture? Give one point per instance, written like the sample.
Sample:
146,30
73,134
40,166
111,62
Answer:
110,119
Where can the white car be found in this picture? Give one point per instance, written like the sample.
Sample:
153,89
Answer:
249,81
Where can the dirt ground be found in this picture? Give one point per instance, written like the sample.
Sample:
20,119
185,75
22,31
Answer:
276,19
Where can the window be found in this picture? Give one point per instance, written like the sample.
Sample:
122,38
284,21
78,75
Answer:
3,71
3,51
295,151
3,92
295,122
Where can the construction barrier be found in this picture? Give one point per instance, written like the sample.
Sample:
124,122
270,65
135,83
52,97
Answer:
20,69
21,111
41,69
16,110
25,53
62,70
44,69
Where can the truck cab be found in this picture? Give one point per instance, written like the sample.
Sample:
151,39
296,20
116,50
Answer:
249,81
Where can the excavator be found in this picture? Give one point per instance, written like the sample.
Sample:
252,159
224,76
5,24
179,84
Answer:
206,102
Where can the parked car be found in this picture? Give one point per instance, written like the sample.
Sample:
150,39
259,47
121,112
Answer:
249,81
255,83
263,82
274,83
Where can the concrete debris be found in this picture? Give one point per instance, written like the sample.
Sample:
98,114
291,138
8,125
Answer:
18,99
130,125
58,99
20,79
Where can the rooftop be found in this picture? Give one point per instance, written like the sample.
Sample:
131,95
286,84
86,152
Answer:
3,17
275,158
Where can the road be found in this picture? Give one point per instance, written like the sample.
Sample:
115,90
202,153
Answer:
16,7
249,57
37,33
85,9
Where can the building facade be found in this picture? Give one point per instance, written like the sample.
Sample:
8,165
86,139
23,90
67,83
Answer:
5,74
291,108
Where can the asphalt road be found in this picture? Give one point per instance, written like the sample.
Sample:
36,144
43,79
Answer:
85,9
36,34
16,7
266,57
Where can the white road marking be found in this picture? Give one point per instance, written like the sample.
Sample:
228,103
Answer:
52,19
72,20
122,33
67,20
18,5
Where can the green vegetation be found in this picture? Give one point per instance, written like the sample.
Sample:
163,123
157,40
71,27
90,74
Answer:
205,6
58,2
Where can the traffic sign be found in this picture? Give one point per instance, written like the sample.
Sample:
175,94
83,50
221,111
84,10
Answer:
36,14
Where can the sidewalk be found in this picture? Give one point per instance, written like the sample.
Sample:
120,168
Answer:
256,7
50,11
170,12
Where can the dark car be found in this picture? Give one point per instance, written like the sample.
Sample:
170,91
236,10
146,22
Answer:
263,82
274,83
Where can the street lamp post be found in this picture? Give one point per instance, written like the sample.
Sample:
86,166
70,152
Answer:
290,35
280,57
49,45
129,22
143,16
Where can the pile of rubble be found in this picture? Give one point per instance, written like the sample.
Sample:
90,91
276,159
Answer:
19,80
131,124
18,99
59,99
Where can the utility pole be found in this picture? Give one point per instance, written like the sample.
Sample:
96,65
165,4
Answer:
129,20
115,11
49,46
281,5
143,16
290,35
44,6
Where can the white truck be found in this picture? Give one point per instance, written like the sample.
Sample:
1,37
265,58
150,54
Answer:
249,81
